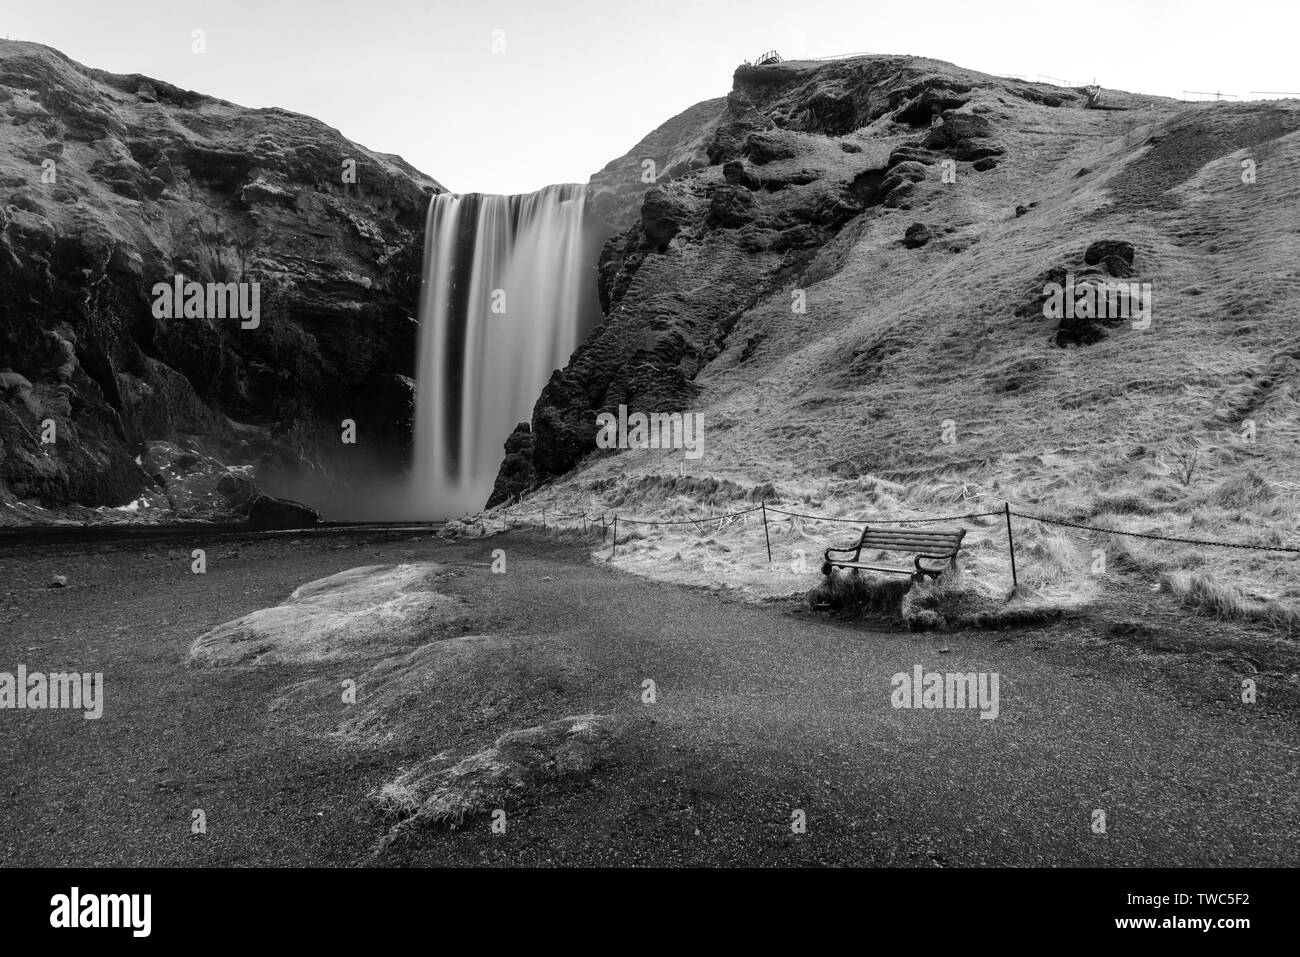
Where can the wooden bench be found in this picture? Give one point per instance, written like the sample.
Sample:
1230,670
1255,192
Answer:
931,545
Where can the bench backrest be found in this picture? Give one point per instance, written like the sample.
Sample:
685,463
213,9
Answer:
930,542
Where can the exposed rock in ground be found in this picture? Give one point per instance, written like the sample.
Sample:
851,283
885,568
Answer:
964,135
363,612
110,184
1113,255
445,790
917,235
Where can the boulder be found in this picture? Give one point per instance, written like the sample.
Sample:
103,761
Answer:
239,490
1113,255
265,511
764,146
730,207
956,130
917,235
662,216
735,173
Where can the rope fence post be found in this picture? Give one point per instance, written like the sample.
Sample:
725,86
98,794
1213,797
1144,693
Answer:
767,538
613,552
1011,546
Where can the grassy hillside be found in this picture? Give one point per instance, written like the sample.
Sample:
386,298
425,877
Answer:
843,407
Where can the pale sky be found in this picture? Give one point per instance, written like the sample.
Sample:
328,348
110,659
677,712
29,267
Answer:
579,82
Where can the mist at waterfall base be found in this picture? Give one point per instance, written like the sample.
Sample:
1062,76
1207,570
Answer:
509,291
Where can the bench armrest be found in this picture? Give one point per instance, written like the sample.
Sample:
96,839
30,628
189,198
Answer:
951,558
855,551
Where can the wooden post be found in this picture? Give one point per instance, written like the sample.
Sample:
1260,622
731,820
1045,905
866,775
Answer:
767,538
614,551
1011,544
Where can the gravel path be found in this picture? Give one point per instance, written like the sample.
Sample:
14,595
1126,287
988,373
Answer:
759,712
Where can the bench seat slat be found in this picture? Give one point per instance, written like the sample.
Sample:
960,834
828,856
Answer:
868,566
909,545
905,542
877,530
938,538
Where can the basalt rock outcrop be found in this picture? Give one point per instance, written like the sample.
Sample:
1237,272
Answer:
1105,263
110,184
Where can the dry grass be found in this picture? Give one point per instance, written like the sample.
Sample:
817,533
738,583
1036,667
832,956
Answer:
854,593
951,602
445,790
1202,592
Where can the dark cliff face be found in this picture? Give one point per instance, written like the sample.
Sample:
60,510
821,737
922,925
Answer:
111,184
745,192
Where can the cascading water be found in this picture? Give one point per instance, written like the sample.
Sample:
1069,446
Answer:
499,312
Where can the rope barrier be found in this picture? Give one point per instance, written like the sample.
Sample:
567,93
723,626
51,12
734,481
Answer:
699,523
883,521
1158,538
690,521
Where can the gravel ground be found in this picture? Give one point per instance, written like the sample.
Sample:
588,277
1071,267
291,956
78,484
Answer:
760,711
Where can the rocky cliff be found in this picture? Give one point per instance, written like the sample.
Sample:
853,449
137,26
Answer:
730,201
839,256
112,184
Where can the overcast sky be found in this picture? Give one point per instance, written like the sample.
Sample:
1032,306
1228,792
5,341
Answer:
579,82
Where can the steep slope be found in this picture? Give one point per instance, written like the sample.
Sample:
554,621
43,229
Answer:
922,371
110,184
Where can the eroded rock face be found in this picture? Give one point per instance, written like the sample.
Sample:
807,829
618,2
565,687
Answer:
517,474
110,184
748,190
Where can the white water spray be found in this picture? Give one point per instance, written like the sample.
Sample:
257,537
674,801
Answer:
499,312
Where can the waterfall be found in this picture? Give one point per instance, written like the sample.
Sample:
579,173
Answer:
499,312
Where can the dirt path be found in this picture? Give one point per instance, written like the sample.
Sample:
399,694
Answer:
760,711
